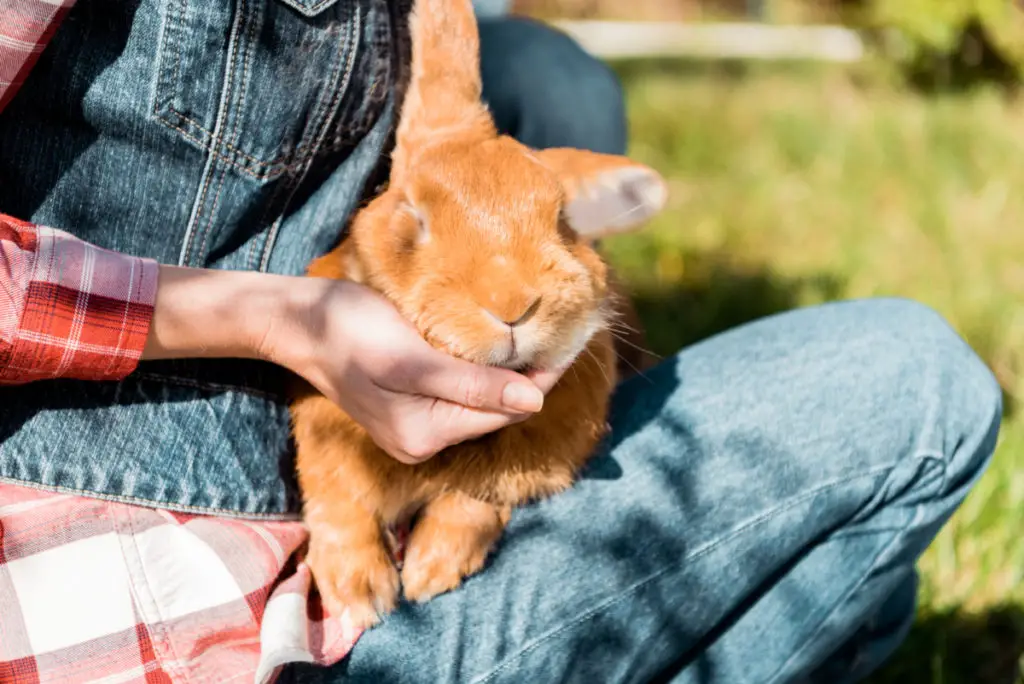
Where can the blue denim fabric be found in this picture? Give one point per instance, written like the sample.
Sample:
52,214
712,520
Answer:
547,91
234,135
489,9
754,517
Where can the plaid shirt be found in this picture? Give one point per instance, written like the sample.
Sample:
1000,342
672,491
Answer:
97,591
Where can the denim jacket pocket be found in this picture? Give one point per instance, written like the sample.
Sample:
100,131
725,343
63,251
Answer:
254,82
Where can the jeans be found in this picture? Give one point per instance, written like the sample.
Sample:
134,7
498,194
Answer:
489,9
755,516
546,91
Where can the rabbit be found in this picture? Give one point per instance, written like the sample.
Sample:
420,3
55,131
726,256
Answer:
485,246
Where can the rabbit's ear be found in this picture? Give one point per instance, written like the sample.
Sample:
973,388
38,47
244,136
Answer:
443,95
605,194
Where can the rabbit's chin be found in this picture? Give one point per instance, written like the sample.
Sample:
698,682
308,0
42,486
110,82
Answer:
562,356
530,348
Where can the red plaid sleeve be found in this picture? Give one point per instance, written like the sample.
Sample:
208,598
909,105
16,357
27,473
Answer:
26,27
68,308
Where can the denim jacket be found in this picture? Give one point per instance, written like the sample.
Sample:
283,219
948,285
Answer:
234,135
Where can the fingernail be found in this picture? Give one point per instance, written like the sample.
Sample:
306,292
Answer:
520,397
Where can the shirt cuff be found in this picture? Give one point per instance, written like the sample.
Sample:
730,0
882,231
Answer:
87,312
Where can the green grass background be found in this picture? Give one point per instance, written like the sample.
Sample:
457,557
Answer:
793,186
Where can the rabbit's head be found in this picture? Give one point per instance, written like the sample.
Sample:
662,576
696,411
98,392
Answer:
485,244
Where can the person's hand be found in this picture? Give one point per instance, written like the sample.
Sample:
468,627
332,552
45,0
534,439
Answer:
354,347
348,342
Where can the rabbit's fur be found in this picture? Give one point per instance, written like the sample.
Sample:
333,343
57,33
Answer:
472,230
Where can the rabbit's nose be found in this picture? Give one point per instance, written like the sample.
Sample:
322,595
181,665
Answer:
514,316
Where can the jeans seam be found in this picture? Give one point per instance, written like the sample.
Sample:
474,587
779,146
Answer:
640,584
926,456
183,12
940,458
918,512
845,597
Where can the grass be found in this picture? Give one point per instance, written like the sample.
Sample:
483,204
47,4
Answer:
795,186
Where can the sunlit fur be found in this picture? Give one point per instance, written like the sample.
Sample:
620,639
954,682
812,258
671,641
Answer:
469,233
493,244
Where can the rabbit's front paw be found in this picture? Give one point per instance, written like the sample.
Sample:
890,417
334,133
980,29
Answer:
358,578
449,542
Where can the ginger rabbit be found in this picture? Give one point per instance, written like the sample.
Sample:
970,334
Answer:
485,246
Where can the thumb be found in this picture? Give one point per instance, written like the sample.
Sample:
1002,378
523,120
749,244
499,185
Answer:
479,387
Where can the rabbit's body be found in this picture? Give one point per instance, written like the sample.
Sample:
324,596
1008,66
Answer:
464,495
484,246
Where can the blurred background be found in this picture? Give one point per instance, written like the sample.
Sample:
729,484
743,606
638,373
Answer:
884,158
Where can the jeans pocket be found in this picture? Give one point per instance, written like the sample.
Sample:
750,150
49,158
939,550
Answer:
253,82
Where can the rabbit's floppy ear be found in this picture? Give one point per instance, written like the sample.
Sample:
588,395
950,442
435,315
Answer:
605,194
443,95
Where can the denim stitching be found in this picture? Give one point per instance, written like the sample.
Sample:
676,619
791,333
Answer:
353,45
276,397
212,214
303,153
252,261
299,154
234,110
224,151
168,46
150,503
821,625
206,147
222,113
206,143
925,478
297,4
239,109
640,584
305,140
273,169
183,259
918,513
183,7
172,88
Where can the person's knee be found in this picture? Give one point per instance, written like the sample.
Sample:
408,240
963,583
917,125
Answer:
929,336
551,91
960,398
569,76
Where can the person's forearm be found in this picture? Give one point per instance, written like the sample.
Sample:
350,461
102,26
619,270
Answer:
219,314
